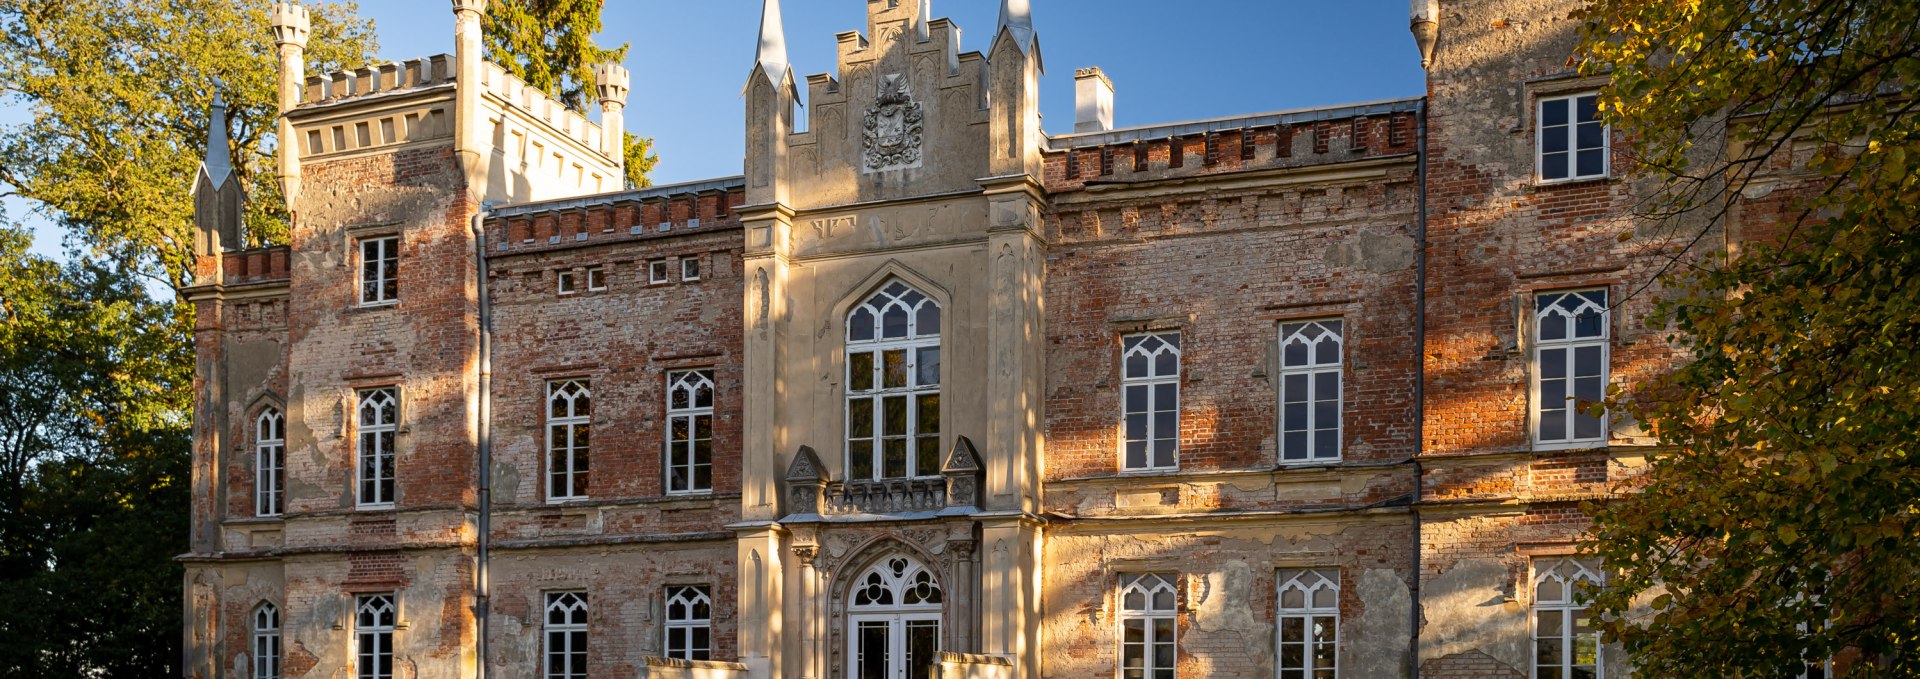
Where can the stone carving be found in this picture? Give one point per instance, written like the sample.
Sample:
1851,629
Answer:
893,126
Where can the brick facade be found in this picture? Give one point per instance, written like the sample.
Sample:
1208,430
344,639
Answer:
1042,254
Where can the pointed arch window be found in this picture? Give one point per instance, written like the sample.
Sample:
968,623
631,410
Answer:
893,385
1150,379
374,620
569,433
689,623
690,431
1310,403
1148,604
894,618
266,642
379,421
1570,367
270,463
1309,624
566,632
1565,644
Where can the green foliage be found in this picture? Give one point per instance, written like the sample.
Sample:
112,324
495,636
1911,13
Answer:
1782,525
119,92
549,44
94,384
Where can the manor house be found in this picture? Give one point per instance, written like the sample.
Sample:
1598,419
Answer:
924,391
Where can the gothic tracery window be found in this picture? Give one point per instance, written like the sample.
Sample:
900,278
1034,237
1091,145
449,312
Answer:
1565,644
893,385
1570,367
270,448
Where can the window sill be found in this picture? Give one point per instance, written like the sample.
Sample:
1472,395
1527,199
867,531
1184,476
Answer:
1588,444
1547,184
374,306
382,507
1309,465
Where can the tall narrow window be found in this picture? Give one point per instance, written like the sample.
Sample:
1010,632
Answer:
1310,403
1565,644
569,430
1570,366
1572,138
1309,631
689,623
566,630
266,642
893,385
1147,625
379,270
270,452
379,415
690,431
1150,381
373,622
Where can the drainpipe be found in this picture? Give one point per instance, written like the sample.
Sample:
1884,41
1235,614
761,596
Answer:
1420,375
481,584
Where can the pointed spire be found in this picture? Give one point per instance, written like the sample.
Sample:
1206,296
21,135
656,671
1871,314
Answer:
219,163
921,29
772,57
1017,16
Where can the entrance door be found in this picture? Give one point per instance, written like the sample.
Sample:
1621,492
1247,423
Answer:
894,622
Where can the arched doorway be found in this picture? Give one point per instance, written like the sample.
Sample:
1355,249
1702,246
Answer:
893,621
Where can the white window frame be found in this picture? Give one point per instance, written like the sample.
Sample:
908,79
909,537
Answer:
1311,337
1565,575
1571,131
1571,343
1150,587
866,336
266,641
657,272
899,594
567,282
379,270
689,269
684,391
270,463
596,278
373,635
1148,347
684,608
1312,611
571,608
375,440
569,408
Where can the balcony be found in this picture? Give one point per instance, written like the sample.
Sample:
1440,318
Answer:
811,492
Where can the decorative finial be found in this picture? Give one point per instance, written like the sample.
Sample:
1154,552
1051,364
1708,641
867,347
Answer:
1016,16
219,163
772,55
920,26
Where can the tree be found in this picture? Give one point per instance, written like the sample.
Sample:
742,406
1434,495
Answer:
549,44
95,378
119,92
1780,527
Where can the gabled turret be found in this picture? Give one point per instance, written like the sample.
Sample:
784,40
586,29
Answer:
1014,68
218,200
771,96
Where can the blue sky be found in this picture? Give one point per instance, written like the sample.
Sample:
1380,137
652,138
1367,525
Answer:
1169,60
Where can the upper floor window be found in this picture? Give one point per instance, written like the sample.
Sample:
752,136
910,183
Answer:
270,452
893,385
379,417
596,278
1572,138
1309,624
374,616
266,642
689,431
1150,382
566,632
1570,367
689,623
657,272
569,430
690,269
379,270
569,282
1147,636
1310,403
1565,644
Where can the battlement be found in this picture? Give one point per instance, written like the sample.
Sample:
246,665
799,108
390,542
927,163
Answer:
412,75
533,101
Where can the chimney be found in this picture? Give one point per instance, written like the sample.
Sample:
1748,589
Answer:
612,81
1092,100
291,27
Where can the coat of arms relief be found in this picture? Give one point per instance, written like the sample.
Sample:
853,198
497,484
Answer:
893,127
